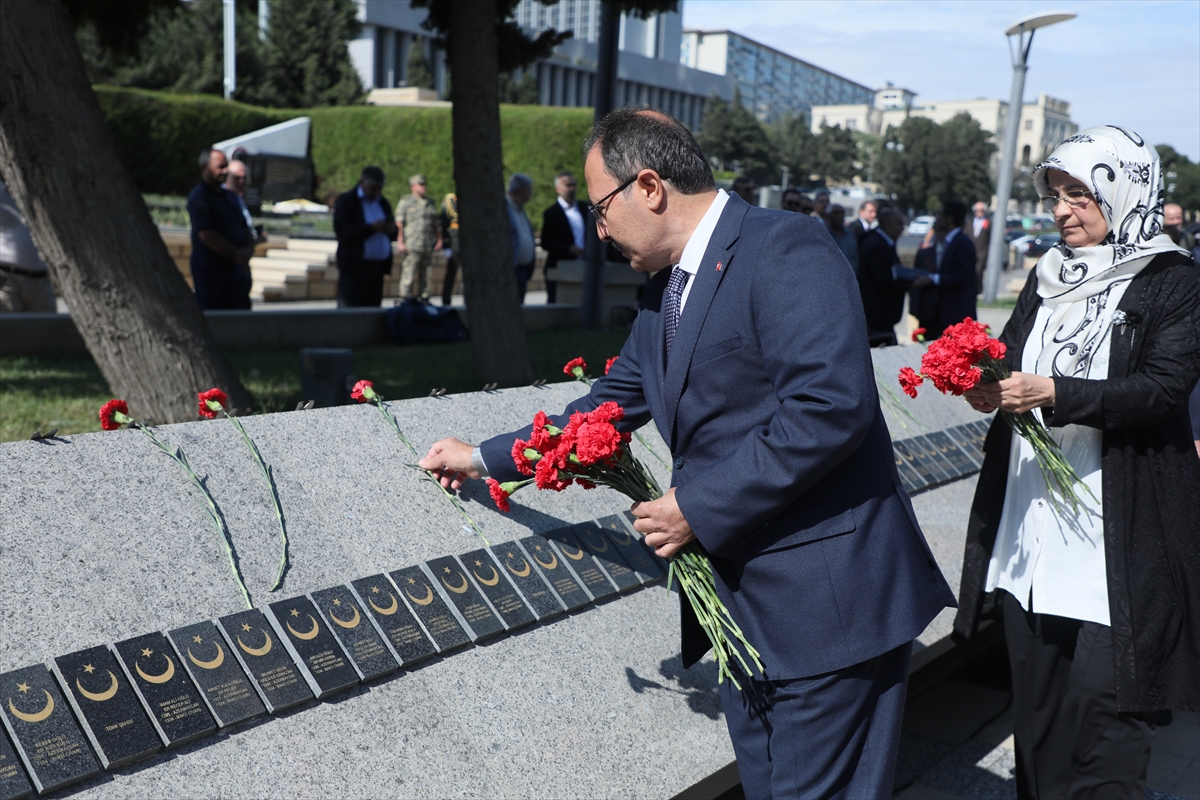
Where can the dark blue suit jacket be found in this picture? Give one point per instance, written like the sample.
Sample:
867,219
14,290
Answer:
957,282
783,461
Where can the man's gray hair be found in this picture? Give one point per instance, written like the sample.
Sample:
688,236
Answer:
519,182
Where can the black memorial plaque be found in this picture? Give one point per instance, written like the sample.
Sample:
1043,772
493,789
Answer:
537,595
917,462
482,622
110,713
497,588
355,633
937,461
275,676
580,560
223,684
910,480
312,647
961,463
978,432
966,444
167,693
401,632
13,783
44,732
630,519
430,608
637,555
607,556
560,578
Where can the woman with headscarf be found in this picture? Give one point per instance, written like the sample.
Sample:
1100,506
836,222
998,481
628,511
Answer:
1100,605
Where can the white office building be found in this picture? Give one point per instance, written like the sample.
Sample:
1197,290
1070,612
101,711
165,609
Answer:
772,83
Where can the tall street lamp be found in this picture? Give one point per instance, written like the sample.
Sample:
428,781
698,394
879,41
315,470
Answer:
1020,37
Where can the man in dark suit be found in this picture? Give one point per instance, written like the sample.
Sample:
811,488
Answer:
749,353
882,293
980,232
954,257
564,229
362,221
865,222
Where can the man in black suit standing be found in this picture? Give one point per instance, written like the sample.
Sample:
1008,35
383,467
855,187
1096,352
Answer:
362,221
882,293
564,226
955,261
866,221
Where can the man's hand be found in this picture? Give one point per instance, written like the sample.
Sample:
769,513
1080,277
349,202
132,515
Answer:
1016,394
662,523
450,461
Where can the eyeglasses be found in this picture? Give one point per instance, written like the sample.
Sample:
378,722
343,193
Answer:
1076,198
598,208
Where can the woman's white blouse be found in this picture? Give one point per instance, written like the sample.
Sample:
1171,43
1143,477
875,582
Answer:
1050,558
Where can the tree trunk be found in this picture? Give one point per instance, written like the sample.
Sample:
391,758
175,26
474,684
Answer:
134,310
490,283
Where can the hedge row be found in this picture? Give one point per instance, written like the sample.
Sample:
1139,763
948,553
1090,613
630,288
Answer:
159,135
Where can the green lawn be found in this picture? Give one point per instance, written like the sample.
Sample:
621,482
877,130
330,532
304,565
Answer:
65,392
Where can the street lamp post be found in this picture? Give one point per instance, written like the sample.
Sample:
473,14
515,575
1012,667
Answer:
1020,38
230,19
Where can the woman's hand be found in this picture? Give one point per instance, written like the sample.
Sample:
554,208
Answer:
1016,394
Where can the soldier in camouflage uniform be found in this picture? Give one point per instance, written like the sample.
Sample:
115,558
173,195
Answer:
420,235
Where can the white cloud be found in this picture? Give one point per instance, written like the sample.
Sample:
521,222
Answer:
1135,64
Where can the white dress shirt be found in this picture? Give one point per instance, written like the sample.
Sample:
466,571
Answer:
377,246
693,251
575,220
1046,556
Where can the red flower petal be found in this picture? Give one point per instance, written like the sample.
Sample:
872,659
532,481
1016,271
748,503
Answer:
357,392
217,396
106,414
499,495
608,364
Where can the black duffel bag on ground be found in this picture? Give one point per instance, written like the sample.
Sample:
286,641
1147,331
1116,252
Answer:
417,322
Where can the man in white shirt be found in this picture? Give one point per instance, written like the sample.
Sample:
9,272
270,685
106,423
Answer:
563,229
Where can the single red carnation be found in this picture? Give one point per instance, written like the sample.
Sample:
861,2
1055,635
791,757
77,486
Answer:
215,396
362,392
539,438
596,441
571,429
608,364
918,335
547,476
109,410
499,495
909,381
606,412
576,368
524,465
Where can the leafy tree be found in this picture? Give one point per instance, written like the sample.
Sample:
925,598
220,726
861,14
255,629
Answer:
133,309
796,147
925,164
837,152
418,72
966,153
306,61
1181,176
730,132
521,91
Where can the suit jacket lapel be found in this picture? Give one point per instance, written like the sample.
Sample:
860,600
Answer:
704,287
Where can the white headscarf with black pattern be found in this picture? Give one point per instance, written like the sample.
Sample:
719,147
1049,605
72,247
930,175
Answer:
1083,285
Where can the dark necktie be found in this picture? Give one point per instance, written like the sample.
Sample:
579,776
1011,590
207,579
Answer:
675,287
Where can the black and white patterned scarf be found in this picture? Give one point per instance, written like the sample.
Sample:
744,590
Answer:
1082,286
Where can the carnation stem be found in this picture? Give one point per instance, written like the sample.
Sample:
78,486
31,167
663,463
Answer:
377,401
178,455
273,490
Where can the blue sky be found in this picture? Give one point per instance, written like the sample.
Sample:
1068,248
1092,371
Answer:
1134,64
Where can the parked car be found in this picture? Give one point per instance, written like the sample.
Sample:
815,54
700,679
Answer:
920,226
1017,249
1038,247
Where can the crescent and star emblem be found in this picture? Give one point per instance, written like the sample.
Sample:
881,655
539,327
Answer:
351,623
161,678
553,560
566,548
310,634
457,589
99,697
622,537
520,573
216,662
39,716
600,548
256,651
425,600
487,581
389,610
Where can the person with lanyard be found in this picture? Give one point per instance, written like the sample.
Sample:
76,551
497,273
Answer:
362,222
1100,603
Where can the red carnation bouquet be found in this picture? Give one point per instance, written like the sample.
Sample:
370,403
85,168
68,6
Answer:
965,356
591,452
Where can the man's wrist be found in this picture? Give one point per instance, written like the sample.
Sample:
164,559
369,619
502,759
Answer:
477,462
